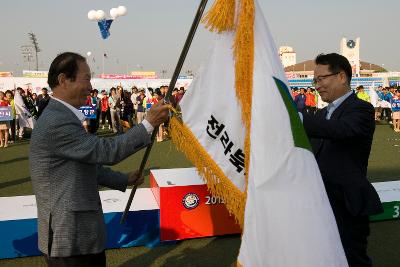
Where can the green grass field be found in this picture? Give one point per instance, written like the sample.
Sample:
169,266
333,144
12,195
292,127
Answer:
384,242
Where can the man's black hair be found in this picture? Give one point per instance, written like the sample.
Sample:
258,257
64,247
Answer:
336,63
66,63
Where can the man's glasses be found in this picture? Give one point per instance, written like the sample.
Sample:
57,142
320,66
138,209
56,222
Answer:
318,79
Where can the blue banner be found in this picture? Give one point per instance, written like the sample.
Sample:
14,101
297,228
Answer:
5,114
104,26
90,112
396,105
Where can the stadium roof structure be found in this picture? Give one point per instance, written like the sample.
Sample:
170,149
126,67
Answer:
309,65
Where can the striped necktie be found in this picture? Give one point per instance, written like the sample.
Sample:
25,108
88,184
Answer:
329,111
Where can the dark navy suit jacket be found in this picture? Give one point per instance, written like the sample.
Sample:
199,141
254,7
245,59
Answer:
342,146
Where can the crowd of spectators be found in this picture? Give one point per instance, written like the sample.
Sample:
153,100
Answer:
11,129
116,109
387,106
120,109
305,99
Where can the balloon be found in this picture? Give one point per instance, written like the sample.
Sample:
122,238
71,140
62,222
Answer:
100,14
122,10
92,15
89,54
114,12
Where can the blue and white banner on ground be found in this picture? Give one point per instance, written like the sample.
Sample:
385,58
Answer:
18,222
5,114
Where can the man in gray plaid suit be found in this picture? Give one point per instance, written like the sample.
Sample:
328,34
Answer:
66,165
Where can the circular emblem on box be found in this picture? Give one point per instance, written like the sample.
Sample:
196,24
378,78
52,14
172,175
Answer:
190,201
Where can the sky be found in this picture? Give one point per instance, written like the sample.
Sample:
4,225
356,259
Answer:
150,37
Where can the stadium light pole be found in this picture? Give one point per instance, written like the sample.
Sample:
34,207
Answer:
35,44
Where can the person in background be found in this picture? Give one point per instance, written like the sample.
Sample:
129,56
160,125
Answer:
105,110
20,128
148,99
392,90
386,111
396,111
300,100
10,99
141,110
94,101
134,95
42,101
30,103
126,109
34,100
179,95
164,90
157,98
311,103
4,125
361,94
378,108
114,102
294,92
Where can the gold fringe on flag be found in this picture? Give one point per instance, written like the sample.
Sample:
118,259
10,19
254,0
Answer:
244,66
217,183
221,16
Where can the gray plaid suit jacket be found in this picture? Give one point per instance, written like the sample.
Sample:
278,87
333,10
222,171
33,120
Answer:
66,169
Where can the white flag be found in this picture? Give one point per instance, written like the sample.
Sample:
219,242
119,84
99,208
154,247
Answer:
287,219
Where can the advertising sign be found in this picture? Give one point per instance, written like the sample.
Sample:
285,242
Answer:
144,74
133,75
89,111
34,74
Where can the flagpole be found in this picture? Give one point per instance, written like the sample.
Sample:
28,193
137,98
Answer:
167,97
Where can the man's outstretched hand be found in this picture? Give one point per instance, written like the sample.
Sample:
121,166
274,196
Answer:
157,114
135,178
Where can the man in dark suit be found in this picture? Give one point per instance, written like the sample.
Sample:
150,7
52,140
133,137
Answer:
341,136
66,165
42,101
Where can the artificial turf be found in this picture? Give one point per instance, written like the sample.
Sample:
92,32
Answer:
384,242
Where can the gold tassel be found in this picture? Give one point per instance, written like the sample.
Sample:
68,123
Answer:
244,66
221,16
217,183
